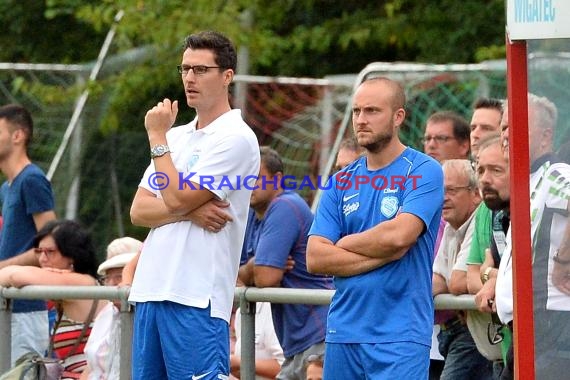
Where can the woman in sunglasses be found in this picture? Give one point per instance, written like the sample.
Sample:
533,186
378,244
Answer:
66,257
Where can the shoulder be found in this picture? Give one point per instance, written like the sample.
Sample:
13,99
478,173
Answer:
33,172
557,171
289,200
418,165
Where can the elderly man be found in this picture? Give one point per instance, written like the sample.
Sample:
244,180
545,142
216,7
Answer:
462,359
550,232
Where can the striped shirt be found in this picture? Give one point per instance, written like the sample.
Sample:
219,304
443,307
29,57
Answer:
64,339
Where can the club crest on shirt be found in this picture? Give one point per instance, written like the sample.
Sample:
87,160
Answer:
192,161
389,206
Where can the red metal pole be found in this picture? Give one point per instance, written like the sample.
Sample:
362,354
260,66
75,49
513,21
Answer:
517,87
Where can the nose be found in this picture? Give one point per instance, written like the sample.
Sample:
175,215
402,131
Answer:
429,144
359,118
484,177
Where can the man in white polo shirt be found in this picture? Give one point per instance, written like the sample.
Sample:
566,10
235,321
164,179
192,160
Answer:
185,278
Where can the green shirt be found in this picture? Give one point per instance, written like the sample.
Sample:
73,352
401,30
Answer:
481,235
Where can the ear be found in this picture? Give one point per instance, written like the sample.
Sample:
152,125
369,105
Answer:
279,177
399,117
547,136
228,77
18,137
464,147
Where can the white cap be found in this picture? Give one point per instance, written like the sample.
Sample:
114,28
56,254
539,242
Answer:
118,261
119,253
123,245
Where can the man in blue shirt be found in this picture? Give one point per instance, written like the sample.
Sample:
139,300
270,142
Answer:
276,233
27,204
374,231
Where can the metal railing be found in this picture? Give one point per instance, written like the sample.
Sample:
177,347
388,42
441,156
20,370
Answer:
247,298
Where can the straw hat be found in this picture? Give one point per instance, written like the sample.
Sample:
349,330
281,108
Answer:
119,253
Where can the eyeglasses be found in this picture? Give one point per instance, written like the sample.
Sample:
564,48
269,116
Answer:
113,278
197,69
438,139
495,333
48,251
454,190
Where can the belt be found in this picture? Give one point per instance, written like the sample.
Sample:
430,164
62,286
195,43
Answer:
451,323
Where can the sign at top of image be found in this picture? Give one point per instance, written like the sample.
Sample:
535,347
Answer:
538,19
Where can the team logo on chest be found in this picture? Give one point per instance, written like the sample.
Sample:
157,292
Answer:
389,206
192,161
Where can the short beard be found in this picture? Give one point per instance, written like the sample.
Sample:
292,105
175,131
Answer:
497,204
379,143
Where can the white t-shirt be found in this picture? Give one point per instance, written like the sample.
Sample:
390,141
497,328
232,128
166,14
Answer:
102,350
181,262
266,343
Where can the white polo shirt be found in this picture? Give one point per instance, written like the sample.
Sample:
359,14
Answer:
454,249
181,262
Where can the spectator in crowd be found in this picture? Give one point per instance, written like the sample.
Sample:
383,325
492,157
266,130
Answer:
314,367
268,351
462,359
27,205
446,136
550,232
493,175
184,310
102,350
485,123
268,245
348,151
67,257
486,120
379,246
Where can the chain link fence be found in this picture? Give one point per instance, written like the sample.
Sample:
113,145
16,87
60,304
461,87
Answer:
101,167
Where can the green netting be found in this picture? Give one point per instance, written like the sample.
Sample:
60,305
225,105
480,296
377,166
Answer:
296,119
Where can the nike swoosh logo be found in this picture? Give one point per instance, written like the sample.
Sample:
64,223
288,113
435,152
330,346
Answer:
194,377
349,197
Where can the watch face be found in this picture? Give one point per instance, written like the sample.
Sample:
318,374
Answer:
159,150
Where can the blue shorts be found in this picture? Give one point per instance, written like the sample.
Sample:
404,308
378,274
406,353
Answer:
401,360
174,341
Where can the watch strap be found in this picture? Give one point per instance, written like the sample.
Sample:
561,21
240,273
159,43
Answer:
159,150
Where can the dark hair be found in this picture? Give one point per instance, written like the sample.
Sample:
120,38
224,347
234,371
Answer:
461,128
491,103
19,118
224,51
72,241
271,160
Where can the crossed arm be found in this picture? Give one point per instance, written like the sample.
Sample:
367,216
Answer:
148,210
364,251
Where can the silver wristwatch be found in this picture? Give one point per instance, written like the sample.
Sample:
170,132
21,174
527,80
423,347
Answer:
159,150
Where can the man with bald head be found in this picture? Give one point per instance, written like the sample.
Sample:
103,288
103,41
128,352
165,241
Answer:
378,244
